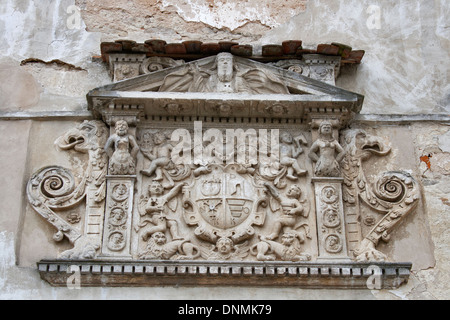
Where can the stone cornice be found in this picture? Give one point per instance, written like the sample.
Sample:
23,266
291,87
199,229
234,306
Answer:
223,273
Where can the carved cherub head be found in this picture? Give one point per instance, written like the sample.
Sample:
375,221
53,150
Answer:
159,137
224,245
156,188
294,192
286,137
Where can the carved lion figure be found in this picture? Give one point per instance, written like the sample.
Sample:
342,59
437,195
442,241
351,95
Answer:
159,248
287,250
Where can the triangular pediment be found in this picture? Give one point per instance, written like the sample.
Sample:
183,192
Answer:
224,86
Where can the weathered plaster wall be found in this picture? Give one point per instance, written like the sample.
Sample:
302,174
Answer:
405,71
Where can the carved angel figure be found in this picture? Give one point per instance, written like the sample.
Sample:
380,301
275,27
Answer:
122,149
160,156
225,249
326,152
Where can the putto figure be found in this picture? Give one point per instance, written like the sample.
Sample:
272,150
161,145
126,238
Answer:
160,157
156,207
326,152
289,153
122,149
291,207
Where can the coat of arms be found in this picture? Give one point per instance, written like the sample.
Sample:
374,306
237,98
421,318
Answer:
224,204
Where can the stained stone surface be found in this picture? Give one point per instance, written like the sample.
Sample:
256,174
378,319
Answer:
403,73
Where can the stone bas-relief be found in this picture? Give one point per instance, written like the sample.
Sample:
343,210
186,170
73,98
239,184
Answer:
286,193
221,211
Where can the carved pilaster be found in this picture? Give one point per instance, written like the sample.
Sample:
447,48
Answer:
118,217
330,218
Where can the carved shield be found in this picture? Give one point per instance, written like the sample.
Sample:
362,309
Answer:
224,202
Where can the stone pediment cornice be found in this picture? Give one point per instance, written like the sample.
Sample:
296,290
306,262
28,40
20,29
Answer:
254,90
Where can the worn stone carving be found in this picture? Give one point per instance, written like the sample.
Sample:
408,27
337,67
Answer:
287,166
393,194
53,189
239,195
159,248
225,249
326,152
290,206
317,67
224,76
156,206
153,64
220,208
224,204
122,149
126,66
156,148
288,250
330,218
240,198
118,218
160,157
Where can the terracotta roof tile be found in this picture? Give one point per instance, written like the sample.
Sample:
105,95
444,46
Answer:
195,49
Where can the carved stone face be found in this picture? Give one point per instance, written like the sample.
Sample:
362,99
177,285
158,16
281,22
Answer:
325,128
294,192
156,188
224,245
159,138
287,239
159,238
225,67
286,137
121,128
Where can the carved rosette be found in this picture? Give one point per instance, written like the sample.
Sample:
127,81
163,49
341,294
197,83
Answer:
118,218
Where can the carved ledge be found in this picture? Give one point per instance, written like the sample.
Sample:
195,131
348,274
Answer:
194,273
249,90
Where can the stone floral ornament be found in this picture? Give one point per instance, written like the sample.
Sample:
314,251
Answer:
218,199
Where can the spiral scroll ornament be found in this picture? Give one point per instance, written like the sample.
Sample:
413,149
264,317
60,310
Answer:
396,194
55,188
392,187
